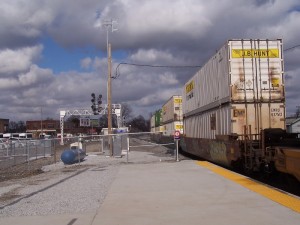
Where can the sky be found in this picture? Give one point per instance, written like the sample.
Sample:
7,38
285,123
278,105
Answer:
53,53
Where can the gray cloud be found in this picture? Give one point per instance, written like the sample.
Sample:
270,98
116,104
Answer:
171,32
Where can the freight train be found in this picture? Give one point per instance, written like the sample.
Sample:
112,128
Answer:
234,110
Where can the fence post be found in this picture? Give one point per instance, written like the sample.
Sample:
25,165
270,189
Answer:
14,147
78,144
54,150
127,149
7,150
44,148
27,151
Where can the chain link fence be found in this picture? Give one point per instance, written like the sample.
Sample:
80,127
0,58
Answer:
14,152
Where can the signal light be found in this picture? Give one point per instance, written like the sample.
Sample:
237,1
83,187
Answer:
99,99
96,108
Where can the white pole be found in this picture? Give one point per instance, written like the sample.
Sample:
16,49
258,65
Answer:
177,153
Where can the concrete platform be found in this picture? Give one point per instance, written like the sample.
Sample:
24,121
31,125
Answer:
176,193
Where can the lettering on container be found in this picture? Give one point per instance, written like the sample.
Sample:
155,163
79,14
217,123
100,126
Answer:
177,100
239,113
275,81
255,53
276,112
178,127
191,95
189,87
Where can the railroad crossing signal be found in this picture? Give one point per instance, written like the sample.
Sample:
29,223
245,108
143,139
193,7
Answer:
96,107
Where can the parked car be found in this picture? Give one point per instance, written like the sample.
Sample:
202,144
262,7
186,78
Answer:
17,143
3,143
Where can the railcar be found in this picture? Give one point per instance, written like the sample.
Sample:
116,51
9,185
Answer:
234,107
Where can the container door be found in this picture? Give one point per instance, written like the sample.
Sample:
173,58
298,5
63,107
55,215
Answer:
256,75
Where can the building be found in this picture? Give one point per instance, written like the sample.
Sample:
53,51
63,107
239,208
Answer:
4,125
52,127
293,125
37,127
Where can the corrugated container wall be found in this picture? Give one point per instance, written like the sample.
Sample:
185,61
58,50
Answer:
160,129
170,128
172,109
242,84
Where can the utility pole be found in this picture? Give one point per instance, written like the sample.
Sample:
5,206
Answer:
109,122
109,24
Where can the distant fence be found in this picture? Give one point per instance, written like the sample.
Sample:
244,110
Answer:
15,152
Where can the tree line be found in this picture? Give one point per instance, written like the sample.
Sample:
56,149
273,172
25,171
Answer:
136,123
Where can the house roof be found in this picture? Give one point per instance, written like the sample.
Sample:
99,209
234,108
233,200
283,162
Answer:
291,120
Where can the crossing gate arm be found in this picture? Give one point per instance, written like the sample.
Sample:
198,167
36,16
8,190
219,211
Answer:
135,146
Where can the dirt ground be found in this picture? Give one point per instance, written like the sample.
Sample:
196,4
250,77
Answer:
34,167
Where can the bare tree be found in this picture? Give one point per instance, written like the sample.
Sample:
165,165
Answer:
17,127
139,124
126,111
297,114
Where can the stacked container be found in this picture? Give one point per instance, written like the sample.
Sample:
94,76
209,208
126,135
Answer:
241,85
172,115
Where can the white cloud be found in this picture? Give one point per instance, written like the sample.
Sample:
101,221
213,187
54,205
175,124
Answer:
19,60
86,63
151,56
157,97
34,77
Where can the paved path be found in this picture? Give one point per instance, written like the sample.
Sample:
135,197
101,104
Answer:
173,193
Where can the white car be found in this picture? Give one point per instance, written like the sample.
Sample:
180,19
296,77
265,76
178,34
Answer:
3,143
17,142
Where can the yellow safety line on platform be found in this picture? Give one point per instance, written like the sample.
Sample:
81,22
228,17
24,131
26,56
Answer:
277,196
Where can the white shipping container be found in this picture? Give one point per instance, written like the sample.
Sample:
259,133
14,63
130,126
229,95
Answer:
242,71
160,129
172,109
170,128
241,85
231,119
152,122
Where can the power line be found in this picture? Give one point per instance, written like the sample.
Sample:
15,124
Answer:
148,65
296,46
169,66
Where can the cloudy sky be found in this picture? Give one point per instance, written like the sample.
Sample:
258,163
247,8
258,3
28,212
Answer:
53,52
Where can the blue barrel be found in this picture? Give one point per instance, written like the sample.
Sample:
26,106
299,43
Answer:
71,156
